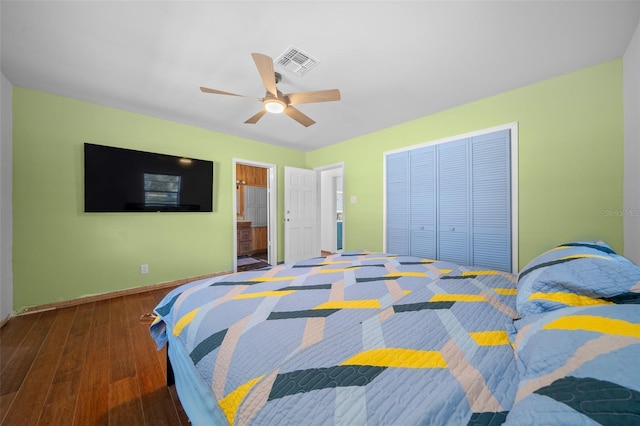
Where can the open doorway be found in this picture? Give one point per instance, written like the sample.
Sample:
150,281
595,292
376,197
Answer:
332,208
254,215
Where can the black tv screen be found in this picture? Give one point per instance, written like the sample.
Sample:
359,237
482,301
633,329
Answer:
125,180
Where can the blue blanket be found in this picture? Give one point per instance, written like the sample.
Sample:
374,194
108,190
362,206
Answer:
349,339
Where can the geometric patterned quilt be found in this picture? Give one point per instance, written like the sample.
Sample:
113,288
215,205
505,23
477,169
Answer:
353,338
578,366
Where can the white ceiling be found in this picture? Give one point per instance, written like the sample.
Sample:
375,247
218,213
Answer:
393,61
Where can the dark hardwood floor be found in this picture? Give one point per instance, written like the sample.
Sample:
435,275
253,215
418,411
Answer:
90,364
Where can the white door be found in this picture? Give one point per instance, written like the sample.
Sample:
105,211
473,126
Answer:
301,239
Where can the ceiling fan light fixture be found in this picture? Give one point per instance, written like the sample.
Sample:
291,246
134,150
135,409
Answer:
273,105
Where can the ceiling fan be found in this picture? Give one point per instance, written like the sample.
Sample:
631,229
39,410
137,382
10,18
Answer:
276,102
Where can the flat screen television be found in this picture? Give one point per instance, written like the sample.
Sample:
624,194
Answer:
125,180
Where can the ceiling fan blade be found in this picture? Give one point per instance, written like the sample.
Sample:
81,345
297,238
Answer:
316,96
254,119
221,92
297,115
267,73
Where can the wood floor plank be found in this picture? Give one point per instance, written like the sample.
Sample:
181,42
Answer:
58,413
121,364
90,364
142,343
93,402
156,399
19,341
125,406
60,405
27,410
152,299
83,320
149,301
18,365
12,335
117,311
125,399
159,406
37,382
5,403
69,372
100,313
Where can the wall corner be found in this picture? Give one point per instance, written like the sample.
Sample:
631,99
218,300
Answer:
6,196
631,190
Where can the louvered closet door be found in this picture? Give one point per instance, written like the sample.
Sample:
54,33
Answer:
491,201
397,203
453,202
422,208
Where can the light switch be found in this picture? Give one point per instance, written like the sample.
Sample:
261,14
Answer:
354,199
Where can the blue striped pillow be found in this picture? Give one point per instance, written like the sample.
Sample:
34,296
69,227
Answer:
577,274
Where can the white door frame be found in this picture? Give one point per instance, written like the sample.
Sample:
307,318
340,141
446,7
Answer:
272,216
320,189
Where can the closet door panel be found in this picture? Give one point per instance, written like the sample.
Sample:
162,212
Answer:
491,201
422,193
453,202
397,238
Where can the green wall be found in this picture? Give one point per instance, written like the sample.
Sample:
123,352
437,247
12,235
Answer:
61,253
570,175
570,159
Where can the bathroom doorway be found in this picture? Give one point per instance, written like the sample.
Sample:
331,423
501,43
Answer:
254,215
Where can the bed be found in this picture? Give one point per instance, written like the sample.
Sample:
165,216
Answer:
373,338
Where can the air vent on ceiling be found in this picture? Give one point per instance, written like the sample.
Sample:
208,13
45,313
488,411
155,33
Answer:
296,61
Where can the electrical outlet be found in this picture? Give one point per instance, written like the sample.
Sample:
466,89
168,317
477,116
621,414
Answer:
144,269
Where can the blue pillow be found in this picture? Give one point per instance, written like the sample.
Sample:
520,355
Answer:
578,366
577,274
